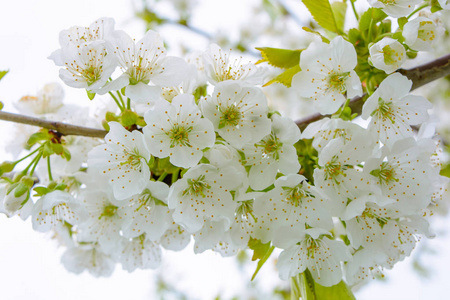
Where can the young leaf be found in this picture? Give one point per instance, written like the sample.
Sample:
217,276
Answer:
280,58
371,17
90,94
324,39
323,14
3,73
339,10
285,77
260,251
339,291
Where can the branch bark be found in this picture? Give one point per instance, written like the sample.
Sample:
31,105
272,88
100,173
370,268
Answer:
65,129
420,76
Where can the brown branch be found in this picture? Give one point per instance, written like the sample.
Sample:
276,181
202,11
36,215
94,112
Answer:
420,76
65,129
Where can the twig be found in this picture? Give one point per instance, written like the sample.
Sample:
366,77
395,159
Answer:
65,129
420,76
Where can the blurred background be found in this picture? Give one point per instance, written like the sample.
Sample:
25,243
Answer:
30,265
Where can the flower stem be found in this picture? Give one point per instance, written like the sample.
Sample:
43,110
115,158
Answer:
417,10
35,161
117,101
354,9
162,176
28,155
49,169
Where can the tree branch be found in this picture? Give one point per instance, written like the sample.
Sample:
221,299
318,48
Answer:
65,129
420,76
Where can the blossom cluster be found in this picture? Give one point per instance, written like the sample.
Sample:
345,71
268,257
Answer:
193,151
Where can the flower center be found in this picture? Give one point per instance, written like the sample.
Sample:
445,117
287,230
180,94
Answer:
271,146
91,74
295,195
108,211
336,82
386,174
390,55
179,135
197,187
384,111
333,169
426,34
230,116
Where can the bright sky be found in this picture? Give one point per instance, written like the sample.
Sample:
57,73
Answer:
29,261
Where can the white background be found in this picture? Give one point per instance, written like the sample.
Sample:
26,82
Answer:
29,261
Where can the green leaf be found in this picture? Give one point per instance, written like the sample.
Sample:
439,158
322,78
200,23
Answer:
339,10
260,251
285,77
3,73
280,58
339,291
435,6
41,191
324,39
370,18
128,118
90,94
57,148
38,136
310,290
66,154
323,14
47,150
401,22
306,285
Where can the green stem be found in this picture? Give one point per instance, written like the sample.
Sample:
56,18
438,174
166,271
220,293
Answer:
417,10
128,103
354,9
369,35
175,176
163,175
49,169
295,288
117,101
36,161
25,157
121,99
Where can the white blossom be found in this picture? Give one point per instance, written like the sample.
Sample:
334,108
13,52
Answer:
393,110
387,55
420,33
274,153
311,249
395,8
140,253
238,113
142,63
177,130
292,202
88,257
123,160
204,193
85,66
147,212
53,208
219,67
48,100
327,74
